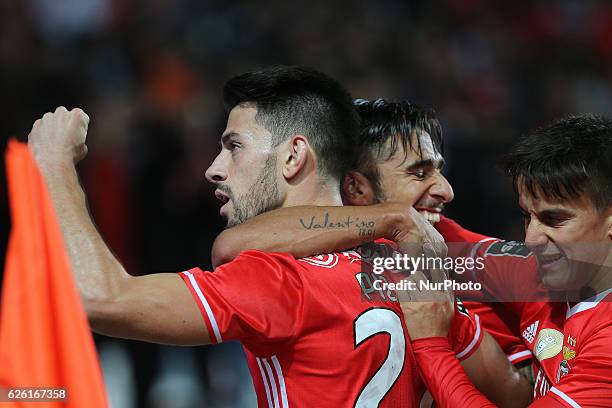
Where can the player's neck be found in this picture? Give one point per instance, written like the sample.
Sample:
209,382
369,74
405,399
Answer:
601,282
313,194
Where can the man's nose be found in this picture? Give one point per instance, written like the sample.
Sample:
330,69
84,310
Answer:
217,172
442,190
534,236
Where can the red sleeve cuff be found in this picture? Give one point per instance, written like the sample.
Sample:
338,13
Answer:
445,378
472,346
431,343
203,305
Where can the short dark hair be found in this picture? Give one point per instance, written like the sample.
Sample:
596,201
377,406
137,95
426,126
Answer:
294,100
569,157
394,121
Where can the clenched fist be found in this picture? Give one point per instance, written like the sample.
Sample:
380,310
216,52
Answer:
414,234
59,137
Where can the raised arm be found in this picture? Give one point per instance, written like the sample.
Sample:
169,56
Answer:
157,308
312,230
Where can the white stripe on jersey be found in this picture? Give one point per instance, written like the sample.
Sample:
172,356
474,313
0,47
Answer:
209,313
516,356
272,381
265,381
565,398
281,382
474,340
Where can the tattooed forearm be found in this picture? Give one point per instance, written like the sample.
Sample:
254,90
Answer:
363,227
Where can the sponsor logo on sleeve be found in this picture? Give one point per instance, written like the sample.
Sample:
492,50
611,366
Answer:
508,248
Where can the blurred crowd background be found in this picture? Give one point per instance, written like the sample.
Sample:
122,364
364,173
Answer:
150,75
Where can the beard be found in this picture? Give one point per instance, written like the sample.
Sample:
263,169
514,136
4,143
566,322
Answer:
261,197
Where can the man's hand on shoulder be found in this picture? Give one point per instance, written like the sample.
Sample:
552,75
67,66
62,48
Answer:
428,312
413,233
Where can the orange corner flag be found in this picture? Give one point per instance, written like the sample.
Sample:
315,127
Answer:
45,340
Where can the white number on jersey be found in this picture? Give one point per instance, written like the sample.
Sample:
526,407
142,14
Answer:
372,322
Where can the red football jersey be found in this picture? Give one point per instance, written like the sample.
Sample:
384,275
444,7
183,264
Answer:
500,322
572,349
315,332
572,346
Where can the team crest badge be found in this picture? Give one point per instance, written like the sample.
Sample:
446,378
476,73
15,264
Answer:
548,344
565,367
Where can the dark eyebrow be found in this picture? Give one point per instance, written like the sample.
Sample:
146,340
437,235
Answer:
555,212
438,164
228,136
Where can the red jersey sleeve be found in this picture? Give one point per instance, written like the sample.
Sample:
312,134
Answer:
255,299
501,263
510,271
504,326
507,269
465,334
446,380
450,386
453,232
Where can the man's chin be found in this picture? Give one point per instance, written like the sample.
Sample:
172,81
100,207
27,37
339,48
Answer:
556,277
231,222
563,280
234,219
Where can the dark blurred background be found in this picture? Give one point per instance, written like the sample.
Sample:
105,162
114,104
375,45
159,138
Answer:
150,74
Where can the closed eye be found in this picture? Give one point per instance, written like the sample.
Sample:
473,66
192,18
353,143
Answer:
422,169
553,221
554,218
419,174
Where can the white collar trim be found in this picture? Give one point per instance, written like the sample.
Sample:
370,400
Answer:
587,303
